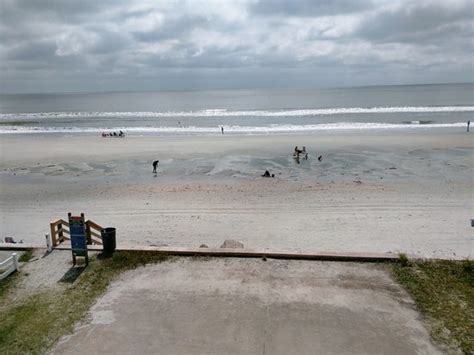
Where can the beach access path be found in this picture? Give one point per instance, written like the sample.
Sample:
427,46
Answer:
252,306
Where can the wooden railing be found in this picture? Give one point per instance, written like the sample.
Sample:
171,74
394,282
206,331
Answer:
60,232
93,233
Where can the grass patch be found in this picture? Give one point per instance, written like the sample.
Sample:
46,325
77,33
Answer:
6,284
444,293
34,325
26,256
403,259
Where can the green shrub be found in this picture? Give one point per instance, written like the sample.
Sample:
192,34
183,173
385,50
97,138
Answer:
403,259
26,256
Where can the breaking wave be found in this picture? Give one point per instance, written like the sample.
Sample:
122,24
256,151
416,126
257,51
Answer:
286,128
239,113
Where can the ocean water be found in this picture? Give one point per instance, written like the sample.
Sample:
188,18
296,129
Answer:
240,111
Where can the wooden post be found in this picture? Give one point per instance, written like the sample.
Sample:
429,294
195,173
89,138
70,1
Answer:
53,234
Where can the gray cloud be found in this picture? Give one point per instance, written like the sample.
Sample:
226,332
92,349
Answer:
419,21
32,51
310,8
136,45
172,27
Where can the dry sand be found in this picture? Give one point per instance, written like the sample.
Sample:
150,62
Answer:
373,192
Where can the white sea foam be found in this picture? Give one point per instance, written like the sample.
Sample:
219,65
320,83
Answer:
286,128
249,113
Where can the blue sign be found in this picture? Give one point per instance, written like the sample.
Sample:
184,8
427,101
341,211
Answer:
77,231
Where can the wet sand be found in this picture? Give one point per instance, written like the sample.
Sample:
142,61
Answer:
401,191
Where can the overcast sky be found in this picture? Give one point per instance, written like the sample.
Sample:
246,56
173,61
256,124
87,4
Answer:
70,46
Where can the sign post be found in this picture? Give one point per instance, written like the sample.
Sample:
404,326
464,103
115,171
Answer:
77,230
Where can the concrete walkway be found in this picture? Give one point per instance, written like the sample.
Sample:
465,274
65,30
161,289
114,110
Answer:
251,306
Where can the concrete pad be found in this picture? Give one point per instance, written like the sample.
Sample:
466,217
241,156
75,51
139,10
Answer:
251,306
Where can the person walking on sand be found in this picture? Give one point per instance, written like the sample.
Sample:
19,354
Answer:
468,124
222,129
155,165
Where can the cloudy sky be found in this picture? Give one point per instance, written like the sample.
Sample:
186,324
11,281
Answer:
60,45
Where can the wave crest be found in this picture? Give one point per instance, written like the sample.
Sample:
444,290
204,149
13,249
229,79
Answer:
232,129
249,113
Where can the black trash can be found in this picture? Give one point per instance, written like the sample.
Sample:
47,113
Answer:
108,240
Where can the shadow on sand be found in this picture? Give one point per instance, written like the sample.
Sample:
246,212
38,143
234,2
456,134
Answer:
72,274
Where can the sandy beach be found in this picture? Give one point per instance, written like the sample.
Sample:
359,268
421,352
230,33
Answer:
400,191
